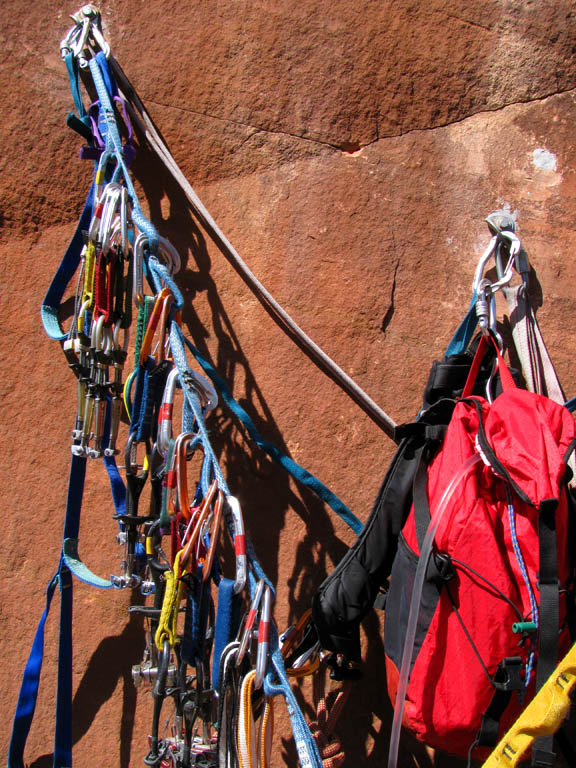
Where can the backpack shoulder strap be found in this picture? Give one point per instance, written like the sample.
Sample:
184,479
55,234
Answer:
349,592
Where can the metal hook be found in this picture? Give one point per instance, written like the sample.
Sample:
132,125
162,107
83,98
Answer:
246,638
239,544
85,36
263,637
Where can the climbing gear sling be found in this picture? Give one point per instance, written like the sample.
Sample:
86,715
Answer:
115,246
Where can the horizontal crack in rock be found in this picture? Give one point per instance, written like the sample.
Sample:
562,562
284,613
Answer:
351,147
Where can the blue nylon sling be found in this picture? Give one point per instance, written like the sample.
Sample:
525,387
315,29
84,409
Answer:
63,578
463,335
65,273
29,688
226,624
300,474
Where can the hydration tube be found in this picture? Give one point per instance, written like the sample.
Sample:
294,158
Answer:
415,605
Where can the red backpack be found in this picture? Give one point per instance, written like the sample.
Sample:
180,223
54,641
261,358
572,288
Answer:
493,617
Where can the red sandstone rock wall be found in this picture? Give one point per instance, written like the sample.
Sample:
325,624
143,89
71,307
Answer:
350,151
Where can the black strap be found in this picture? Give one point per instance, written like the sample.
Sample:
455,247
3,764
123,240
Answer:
434,435
549,620
549,591
447,378
506,680
565,745
420,495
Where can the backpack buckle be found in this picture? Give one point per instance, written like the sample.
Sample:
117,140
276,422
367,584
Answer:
508,677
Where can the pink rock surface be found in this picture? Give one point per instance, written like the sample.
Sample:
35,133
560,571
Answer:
350,151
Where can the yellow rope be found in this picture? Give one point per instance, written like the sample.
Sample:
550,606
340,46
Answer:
266,733
245,740
251,755
167,626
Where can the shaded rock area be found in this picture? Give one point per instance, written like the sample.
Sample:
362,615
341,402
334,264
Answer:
350,151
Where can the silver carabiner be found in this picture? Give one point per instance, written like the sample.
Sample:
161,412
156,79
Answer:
138,269
110,201
165,248
85,36
239,544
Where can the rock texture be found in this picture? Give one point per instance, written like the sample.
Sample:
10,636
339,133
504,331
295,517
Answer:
350,151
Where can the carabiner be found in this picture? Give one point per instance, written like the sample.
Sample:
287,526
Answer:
202,388
135,481
171,255
239,544
118,356
125,219
159,692
180,453
190,539
164,296
99,183
507,274
300,645
246,638
109,219
165,248
98,384
138,269
171,477
263,637
214,532
166,410
479,272
85,35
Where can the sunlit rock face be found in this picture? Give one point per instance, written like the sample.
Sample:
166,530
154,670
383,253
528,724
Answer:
350,151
